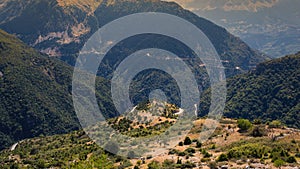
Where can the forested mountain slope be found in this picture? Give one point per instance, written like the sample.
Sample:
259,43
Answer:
35,93
271,91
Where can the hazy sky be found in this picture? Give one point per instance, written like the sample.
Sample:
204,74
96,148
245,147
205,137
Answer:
229,5
286,10
271,26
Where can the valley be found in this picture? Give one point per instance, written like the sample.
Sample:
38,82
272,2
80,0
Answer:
40,126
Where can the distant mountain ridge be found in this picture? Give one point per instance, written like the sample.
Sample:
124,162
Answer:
60,28
37,90
271,27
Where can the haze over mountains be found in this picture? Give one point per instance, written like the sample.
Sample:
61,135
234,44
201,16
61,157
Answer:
36,89
60,29
271,26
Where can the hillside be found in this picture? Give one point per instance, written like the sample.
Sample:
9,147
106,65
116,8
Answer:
35,93
60,28
227,147
270,92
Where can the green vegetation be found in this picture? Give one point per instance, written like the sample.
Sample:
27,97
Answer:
275,124
279,163
190,150
35,90
258,131
278,151
270,92
187,141
76,150
35,93
205,153
154,165
222,157
291,159
180,143
144,105
198,144
73,150
169,164
244,124
138,129
248,150
46,16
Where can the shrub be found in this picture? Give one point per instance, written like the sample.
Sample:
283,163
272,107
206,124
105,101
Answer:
190,150
247,150
173,151
178,161
139,162
198,144
258,131
257,121
279,163
180,143
275,124
222,157
213,165
168,164
14,166
187,141
143,105
205,160
126,164
244,124
154,165
188,164
206,154
291,159
34,151
181,153
195,140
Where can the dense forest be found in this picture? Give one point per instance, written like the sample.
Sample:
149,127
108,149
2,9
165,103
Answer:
35,93
270,92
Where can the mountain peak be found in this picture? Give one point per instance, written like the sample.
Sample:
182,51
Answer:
90,6
85,5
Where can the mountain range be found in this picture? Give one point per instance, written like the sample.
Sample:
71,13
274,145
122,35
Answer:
36,93
271,27
36,85
60,28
